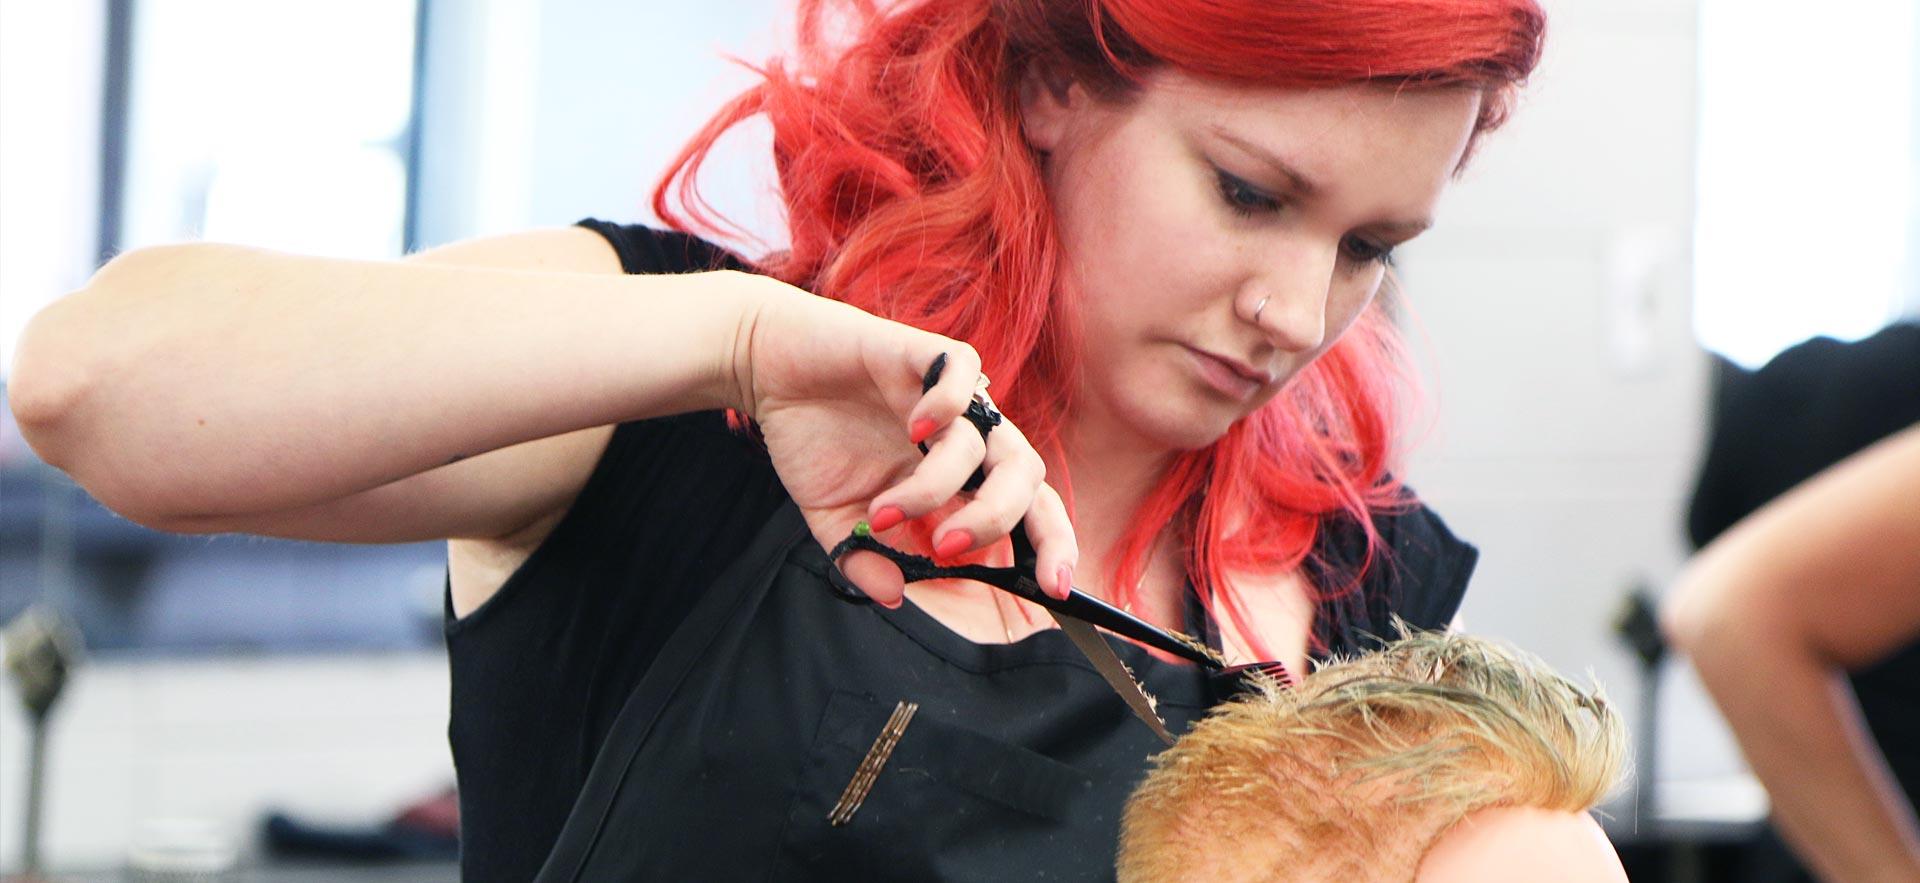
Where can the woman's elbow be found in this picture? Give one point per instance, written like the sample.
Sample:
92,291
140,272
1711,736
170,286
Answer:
1683,621
1700,616
47,381
45,415
61,359
44,407
1721,617
59,351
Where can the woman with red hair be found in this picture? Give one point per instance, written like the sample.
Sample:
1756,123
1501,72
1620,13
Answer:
1159,226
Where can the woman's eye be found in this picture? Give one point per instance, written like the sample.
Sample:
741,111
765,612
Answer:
1369,252
1244,198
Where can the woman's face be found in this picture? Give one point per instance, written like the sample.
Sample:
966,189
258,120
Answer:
1187,207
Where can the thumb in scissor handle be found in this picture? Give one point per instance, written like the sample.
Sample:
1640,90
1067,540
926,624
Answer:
913,568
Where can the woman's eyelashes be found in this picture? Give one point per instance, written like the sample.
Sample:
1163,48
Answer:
1368,252
1247,201
1243,198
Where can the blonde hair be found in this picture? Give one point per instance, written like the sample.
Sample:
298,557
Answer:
1355,773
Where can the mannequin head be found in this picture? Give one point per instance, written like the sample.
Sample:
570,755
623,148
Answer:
1440,757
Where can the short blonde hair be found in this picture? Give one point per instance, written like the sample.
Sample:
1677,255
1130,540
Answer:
1354,773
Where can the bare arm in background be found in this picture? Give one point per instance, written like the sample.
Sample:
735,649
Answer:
1824,580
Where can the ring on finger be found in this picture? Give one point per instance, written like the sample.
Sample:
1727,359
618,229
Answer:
982,413
984,417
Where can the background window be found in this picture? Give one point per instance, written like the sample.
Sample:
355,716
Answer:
1806,177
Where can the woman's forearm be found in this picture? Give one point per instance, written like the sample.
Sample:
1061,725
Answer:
1775,611
208,379
1801,730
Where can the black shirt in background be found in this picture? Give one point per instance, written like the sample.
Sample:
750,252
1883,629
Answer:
1808,408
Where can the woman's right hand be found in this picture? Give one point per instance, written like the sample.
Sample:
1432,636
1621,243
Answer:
837,394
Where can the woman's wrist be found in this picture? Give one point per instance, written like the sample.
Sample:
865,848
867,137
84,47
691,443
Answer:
730,304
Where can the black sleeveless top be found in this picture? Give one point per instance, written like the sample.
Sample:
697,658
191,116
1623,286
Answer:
668,687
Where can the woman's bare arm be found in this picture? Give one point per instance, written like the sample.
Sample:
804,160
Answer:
209,387
1823,580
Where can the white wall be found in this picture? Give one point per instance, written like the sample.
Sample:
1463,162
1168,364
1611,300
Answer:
585,102
50,74
1570,395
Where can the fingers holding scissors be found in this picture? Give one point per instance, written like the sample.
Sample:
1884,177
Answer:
1015,491
953,426
977,450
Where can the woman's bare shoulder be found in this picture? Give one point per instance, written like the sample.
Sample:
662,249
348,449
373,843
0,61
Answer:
564,249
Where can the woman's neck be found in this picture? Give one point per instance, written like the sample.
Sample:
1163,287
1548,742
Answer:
1112,474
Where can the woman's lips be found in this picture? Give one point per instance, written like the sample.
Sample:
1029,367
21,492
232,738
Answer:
1228,377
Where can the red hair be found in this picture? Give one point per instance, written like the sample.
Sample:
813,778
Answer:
911,193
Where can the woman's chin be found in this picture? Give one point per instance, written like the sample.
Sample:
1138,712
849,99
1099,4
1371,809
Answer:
1187,432
1176,421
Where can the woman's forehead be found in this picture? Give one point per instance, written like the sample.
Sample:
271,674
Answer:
1392,148
1294,112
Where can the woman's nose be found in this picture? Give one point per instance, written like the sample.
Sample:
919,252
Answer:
1288,302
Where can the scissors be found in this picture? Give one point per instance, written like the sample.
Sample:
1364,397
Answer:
1019,581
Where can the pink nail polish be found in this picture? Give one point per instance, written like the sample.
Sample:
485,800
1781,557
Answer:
887,518
955,542
922,428
1065,582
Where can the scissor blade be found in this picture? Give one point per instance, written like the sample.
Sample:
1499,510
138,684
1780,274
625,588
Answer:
1086,608
1088,639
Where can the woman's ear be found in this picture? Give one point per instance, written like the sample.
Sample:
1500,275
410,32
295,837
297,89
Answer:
1049,99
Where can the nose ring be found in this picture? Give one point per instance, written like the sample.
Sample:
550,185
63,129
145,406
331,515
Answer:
1256,310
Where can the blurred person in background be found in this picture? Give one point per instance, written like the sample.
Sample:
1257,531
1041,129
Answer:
1803,618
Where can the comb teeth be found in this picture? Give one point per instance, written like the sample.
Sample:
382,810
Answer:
1278,671
1238,679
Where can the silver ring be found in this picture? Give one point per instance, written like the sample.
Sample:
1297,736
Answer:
1257,309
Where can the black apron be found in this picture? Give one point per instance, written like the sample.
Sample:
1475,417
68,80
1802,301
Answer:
734,748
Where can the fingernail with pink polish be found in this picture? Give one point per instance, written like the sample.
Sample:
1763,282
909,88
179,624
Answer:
922,428
887,518
955,542
1065,583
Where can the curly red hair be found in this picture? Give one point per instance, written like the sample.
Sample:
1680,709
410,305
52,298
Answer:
910,193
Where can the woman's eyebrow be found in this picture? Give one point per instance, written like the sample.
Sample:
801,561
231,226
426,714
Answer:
1300,183
1404,229
1303,186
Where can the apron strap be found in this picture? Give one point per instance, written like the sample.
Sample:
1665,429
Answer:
732,596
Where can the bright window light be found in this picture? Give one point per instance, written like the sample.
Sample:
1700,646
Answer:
1806,172
50,72
277,124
